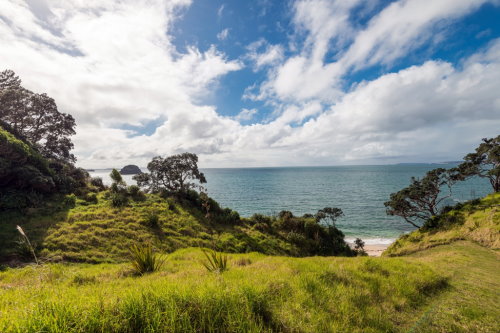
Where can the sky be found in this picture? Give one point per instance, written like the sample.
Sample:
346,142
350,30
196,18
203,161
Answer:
263,83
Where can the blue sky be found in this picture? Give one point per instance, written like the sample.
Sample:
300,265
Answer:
263,83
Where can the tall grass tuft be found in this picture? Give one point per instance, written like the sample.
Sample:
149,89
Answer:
27,242
144,260
216,262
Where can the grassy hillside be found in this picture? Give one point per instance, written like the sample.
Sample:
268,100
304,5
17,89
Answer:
470,303
477,221
95,232
257,294
101,233
452,287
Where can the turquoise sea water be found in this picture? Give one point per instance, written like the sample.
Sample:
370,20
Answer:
360,191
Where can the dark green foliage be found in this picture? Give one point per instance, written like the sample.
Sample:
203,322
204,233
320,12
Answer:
484,162
174,174
329,215
36,118
69,201
91,198
359,247
119,195
152,219
308,234
215,262
118,199
144,260
135,193
27,178
421,199
97,182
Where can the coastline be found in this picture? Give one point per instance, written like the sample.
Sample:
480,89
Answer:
375,250
373,246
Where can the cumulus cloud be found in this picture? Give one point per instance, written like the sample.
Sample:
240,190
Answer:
114,67
391,34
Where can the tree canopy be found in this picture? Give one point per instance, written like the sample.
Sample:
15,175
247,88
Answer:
422,198
36,118
175,174
484,162
329,214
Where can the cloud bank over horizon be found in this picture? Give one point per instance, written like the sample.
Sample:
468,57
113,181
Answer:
322,83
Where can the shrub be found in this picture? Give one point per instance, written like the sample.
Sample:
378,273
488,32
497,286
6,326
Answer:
215,262
152,219
118,199
97,182
144,260
69,201
135,192
91,198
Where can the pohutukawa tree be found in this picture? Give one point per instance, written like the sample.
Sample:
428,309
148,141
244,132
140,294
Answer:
485,163
175,174
36,118
422,199
329,214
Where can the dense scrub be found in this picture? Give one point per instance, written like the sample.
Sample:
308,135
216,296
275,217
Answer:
257,294
27,179
476,220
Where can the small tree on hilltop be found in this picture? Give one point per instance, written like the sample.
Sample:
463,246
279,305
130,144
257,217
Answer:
330,214
485,163
421,200
174,173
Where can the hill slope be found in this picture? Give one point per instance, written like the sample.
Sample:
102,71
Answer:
97,232
477,221
450,287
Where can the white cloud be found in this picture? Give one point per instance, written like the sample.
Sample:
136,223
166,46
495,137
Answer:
112,64
223,34
246,114
220,11
262,54
391,34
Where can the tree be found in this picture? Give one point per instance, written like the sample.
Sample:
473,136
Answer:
421,199
36,118
329,213
485,163
174,174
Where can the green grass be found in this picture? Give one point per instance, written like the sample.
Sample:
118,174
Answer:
97,233
471,302
447,281
257,294
477,221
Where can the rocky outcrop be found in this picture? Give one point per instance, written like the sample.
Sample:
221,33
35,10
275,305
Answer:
130,170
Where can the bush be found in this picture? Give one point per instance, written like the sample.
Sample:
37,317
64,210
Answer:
135,193
118,199
97,182
91,198
69,201
144,260
152,219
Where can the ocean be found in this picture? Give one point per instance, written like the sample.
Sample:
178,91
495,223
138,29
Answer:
360,191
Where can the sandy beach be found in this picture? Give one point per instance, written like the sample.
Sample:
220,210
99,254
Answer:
375,250
374,247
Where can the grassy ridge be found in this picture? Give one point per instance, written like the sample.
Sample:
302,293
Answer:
477,221
97,233
258,294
